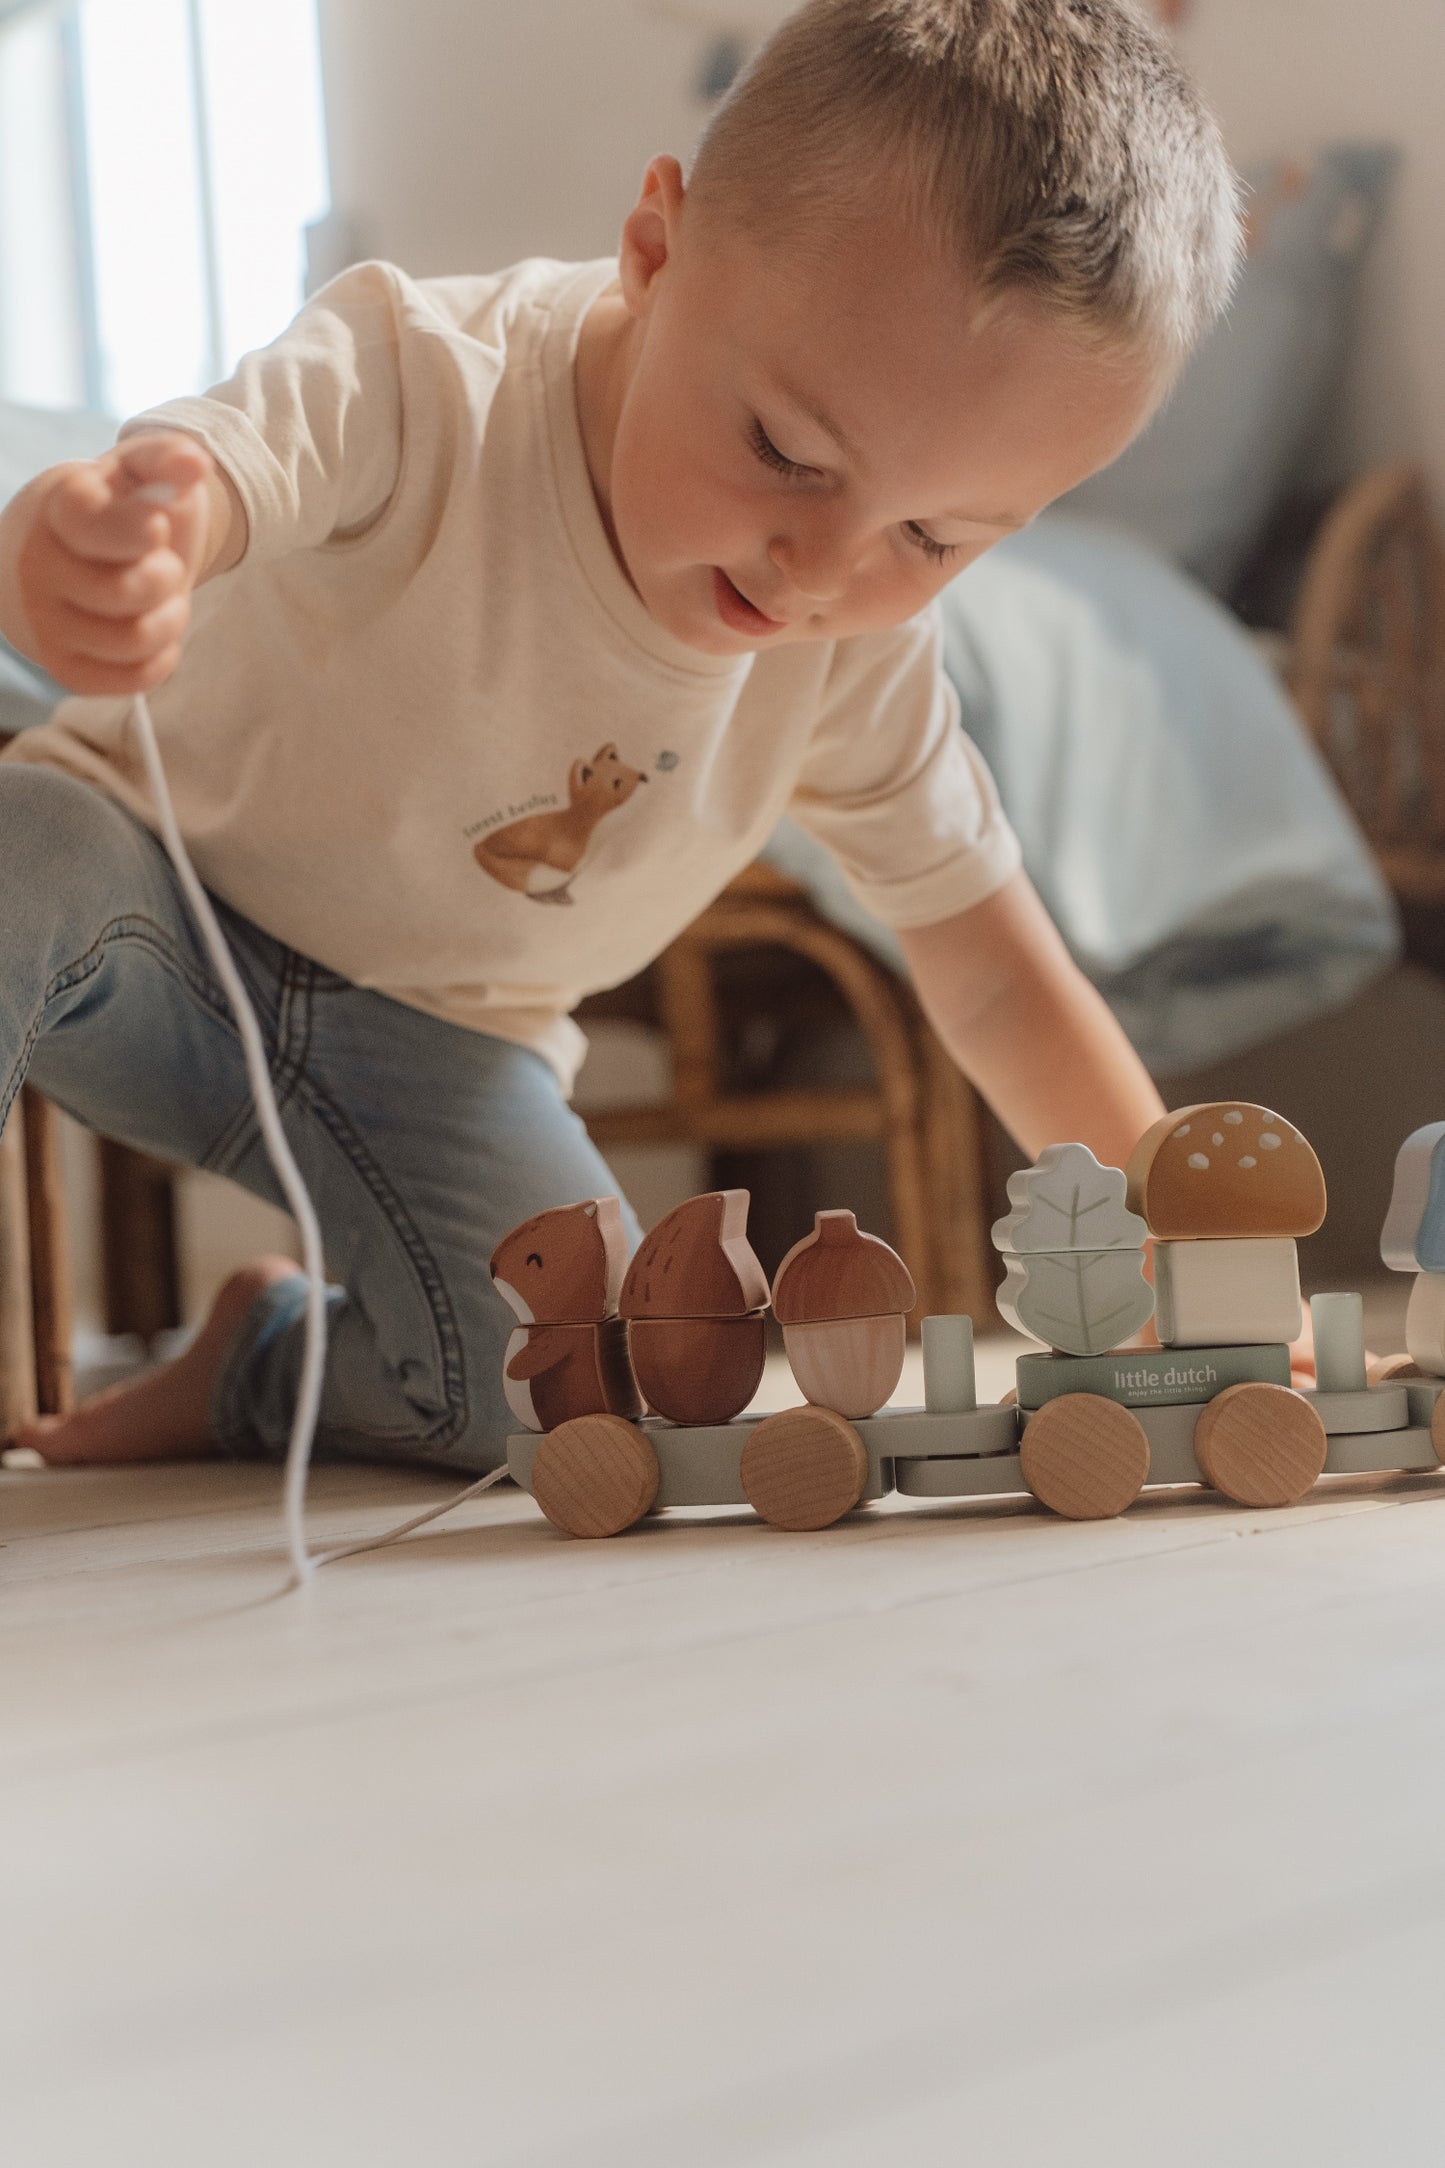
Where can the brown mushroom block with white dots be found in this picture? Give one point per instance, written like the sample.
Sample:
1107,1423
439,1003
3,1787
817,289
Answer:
1225,1171
842,1298
1226,1189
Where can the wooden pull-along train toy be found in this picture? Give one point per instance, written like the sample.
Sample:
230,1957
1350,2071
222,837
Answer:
1223,1191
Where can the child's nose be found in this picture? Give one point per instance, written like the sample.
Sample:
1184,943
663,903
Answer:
820,565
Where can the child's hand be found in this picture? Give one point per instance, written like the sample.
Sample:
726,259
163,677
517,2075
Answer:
107,568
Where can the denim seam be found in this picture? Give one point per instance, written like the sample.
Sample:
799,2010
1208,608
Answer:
295,1086
230,1431
293,1027
146,933
449,1426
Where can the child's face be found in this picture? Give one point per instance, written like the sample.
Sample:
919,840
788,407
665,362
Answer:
707,387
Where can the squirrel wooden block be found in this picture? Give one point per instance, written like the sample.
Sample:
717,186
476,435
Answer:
561,1272
555,1373
842,1298
564,1267
695,1298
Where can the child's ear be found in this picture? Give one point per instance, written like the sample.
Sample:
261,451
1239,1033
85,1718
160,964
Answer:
649,236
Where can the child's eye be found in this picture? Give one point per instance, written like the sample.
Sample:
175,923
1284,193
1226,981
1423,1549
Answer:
768,452
939,551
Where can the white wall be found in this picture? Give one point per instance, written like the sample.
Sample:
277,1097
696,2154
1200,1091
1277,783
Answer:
467,133
1292,74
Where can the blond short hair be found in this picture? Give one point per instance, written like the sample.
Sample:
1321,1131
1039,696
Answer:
1055,146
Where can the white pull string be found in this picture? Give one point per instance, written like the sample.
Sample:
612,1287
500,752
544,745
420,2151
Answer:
419,1520
313,1360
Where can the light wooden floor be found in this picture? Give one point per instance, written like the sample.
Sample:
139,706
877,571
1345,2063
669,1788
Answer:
953,1835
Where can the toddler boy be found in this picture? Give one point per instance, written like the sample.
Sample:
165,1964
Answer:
493,622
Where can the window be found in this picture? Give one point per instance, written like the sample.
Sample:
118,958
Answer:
159,163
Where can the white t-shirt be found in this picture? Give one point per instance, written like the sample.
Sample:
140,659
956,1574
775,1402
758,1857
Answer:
426,733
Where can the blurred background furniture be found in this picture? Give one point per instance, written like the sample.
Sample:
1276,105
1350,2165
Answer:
760,959
35,1308
1366,669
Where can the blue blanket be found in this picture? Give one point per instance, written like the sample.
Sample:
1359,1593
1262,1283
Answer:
1187,838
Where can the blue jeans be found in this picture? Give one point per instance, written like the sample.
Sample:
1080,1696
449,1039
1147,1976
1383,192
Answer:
421,1143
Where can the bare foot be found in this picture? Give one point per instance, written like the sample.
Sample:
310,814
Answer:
165,1416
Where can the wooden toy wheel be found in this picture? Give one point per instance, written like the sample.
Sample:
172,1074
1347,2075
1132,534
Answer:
1262,1445
595,1476
1388,1369
1084,1457
804,1468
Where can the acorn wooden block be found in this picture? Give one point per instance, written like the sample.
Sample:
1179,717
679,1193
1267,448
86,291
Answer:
1227,1294
695,1298
1224,1171
554,1373
842,1298
1413,1236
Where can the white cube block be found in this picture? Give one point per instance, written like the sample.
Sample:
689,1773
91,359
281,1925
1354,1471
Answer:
1227,1294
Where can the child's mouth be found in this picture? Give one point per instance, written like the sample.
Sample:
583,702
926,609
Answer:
735,610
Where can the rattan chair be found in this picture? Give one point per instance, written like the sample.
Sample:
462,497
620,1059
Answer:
1366,669
926,1120
35,1317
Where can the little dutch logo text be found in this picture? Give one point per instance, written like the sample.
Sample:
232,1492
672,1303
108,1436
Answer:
1177,1375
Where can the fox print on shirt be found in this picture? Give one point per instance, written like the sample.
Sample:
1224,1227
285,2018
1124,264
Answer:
540,855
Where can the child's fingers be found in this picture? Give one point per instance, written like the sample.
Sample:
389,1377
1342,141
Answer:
159,457
110,680
127,590
85,514
133,641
